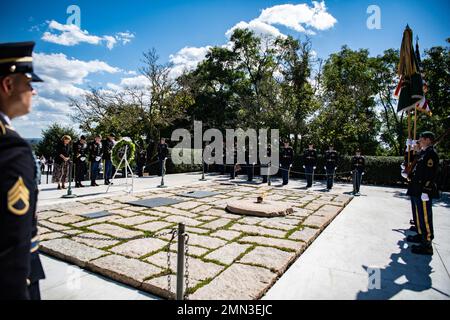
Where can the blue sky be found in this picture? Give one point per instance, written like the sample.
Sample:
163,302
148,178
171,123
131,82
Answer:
172,25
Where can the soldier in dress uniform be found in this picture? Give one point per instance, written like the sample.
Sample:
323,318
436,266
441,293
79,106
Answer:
286,160
250,164
267,166
163,153
358,168
20,266
310,163
331,158
233,166
80,154
423,189
95,158
108,145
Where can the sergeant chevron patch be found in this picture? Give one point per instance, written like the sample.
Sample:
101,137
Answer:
19,198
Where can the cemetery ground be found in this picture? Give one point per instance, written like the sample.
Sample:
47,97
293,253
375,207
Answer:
299,256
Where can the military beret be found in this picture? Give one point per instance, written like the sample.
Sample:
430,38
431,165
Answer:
427,135
17,58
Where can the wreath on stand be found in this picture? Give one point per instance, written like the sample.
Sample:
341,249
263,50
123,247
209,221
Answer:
118,152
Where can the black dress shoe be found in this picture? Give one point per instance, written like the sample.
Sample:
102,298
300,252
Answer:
413,229
422,249
414,239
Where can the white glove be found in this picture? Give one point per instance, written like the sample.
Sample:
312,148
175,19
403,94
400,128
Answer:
413,143
325,168
409,142
83,159
304,167
425,197
315,168
98,158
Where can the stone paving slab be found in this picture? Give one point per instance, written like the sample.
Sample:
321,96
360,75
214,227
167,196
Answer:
114,231
140,247
306,235
132,221
271,258
226,234
71,251
130,271
230,256
228,253
238,282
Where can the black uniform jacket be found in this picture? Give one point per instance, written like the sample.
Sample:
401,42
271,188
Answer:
163,151
424,174
95,150
80,151
20,265
358,163
331,158
286,156
310,157
108,145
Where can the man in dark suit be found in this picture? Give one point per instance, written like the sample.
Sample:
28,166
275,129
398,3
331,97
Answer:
20,266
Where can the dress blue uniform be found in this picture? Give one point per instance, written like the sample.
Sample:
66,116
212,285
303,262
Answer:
20,266
422,189
331,158
358,168
286,160
310,161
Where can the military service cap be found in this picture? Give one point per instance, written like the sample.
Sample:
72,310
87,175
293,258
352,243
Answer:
17,58
427,135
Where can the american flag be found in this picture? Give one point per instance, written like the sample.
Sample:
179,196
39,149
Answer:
422,105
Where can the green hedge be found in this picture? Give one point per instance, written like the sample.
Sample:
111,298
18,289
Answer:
172,168
379,170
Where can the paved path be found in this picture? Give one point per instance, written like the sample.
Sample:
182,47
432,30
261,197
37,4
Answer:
368,233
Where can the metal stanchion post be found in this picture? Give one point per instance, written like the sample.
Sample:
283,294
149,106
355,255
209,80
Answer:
269,183
69,194
180,262
203,172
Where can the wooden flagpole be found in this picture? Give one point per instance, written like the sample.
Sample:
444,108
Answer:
409,137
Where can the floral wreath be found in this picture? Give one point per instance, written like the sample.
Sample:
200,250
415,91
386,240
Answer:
118,152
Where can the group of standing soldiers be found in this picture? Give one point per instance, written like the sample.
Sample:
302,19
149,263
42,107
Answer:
310,157
94,152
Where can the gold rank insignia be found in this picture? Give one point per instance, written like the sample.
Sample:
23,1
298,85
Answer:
19,198
430,163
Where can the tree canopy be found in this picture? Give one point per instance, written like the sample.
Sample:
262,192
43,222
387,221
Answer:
265,82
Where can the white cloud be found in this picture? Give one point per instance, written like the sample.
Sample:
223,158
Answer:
63,79
258,27
187,59
71,35
138,82
300,18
